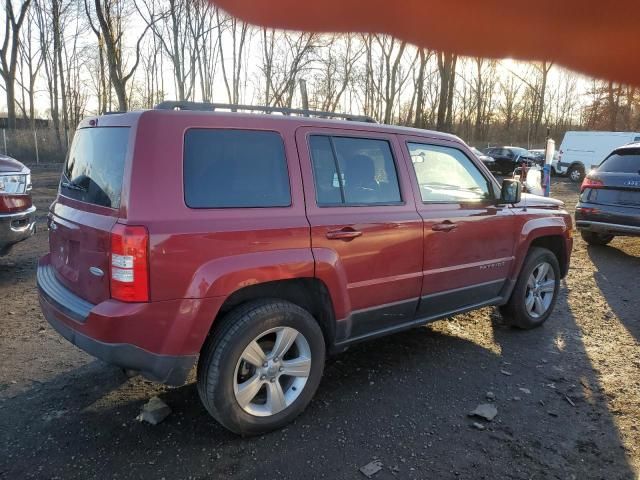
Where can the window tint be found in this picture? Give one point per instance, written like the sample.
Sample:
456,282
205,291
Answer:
353,171
447,175
235,168
95,165
623,161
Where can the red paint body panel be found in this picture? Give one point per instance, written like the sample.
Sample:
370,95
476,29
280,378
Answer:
384,264
174,327
484,235
199,257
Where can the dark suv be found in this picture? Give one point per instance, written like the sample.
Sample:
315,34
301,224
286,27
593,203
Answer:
256,244
609,203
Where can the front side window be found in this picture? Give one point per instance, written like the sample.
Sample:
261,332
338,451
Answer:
235,168
446,175
353,171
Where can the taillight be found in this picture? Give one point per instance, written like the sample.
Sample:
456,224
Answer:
591,183
129,263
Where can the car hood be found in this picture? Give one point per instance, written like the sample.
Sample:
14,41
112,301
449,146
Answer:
531,200
10,165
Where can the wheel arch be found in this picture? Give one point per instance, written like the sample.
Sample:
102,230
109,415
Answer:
551,233
555,244
308,293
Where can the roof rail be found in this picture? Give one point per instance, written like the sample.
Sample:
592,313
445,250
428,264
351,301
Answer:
206,106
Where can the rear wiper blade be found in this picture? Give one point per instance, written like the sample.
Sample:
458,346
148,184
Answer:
73,186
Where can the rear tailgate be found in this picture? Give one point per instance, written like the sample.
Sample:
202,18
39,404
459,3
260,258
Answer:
86,209
620,177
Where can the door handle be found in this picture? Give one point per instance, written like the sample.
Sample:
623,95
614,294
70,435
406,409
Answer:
444,227
344,234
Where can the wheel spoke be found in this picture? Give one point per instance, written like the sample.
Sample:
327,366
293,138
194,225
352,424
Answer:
254,354
284,339
532,281
248,390
539,305
299,367
530,301
542,271
548,286
275,397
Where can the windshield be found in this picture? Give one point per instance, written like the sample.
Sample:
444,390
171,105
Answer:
95,166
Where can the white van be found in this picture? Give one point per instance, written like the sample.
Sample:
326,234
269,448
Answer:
582,151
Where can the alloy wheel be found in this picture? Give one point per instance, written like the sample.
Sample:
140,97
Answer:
272,371
540,290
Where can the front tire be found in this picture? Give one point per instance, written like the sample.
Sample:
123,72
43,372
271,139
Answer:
576,173
536,290
261,367
594,238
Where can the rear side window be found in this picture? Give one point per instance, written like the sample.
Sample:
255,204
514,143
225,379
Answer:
95,165
235,168
353,171
623,161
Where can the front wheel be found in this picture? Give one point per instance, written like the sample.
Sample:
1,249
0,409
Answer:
261,367
536,290
576,173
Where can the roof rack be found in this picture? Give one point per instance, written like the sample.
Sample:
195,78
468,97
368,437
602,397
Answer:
206,107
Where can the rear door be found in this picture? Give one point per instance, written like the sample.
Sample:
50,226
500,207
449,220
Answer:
468,240
87,207
362,214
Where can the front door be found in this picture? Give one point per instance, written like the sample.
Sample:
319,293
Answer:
366,234
469,240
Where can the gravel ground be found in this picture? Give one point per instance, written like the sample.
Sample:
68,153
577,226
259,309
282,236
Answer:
567,394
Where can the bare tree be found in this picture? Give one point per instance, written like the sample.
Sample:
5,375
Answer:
282,67
386,74
239,33
447,69
337,61
110,15
9,54
424,55
31,59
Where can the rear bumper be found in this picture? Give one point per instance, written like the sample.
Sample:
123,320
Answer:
161,340
15,227
172,370
608,219
608,228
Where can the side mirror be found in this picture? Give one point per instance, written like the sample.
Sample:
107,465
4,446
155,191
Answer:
511,191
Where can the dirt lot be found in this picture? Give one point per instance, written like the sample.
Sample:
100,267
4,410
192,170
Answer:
568,394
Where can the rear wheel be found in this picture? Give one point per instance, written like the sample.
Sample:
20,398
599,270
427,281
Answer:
594,238
261,367
536,290
576,173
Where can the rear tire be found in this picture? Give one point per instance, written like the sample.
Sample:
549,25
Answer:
576,173
594,238
242,381
536,290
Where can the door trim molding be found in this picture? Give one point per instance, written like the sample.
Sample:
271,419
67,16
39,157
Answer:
379,316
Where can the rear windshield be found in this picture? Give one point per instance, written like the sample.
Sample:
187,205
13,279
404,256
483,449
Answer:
623,161
95,165
235,168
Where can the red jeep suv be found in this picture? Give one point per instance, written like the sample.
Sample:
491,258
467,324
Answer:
255,244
